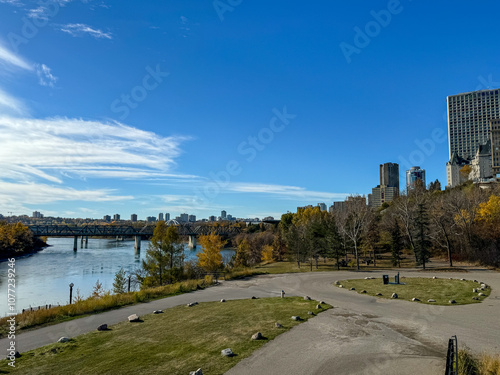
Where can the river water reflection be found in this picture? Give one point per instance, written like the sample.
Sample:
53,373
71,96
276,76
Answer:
44,277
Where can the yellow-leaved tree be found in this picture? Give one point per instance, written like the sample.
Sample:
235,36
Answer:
210,258
267,253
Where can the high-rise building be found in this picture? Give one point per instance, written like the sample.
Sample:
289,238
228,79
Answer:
389,185
160,216
116,217
322,206
167,216
37,215
192,218
212,218
495,146
413,175
133,218
151,219
469,116
223,215
389,175
184,218
107,218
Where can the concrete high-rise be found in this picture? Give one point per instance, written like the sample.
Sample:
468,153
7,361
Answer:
389,185
389,175
469,116
133,218
167,216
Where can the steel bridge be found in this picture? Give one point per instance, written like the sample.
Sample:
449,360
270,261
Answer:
86,231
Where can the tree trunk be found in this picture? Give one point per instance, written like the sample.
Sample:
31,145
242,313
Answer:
357,255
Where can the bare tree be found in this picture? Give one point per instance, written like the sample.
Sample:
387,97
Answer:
353,221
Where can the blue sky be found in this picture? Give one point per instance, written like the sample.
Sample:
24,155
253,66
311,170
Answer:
254,107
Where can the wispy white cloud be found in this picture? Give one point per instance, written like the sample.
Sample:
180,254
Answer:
54,149
45,76
80,29
284,191
11,2
10,59
10,104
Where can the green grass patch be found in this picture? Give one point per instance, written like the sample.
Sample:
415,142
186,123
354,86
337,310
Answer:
180,340
441,290
58,314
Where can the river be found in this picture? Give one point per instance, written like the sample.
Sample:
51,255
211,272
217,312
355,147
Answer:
43,278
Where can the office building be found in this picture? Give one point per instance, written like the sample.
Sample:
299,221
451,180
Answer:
469,116
167,216
389,175
212,218
106,218
495,146
116,217
184,218
223,215
322,206
160,216
388,189
37,215
413,175
151,219
133,218
192,218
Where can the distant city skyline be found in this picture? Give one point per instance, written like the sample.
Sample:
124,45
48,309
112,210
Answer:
169,107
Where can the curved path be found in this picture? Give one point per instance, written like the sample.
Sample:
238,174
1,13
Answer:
361,335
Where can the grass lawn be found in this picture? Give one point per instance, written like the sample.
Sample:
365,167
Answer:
441,289
180,340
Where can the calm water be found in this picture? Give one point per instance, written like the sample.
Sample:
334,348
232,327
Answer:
44,278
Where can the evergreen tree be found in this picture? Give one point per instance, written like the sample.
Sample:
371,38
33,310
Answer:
164,257
422,241
396,244
120,282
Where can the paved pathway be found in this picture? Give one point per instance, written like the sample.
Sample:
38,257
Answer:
361,335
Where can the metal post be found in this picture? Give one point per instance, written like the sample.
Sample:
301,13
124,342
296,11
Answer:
129,276
71,292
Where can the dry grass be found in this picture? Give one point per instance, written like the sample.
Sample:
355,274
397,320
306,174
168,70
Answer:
485,364
30,319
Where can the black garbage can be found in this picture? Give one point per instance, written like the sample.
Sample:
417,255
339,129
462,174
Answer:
386,279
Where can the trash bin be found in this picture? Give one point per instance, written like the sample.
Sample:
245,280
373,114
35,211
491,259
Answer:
386,279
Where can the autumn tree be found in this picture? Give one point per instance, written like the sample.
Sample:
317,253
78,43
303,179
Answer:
210,258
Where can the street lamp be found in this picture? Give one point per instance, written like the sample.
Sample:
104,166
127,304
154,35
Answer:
71,292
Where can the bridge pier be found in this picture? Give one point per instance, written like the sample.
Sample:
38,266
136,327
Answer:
75,244
192,241
86,241
137,243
